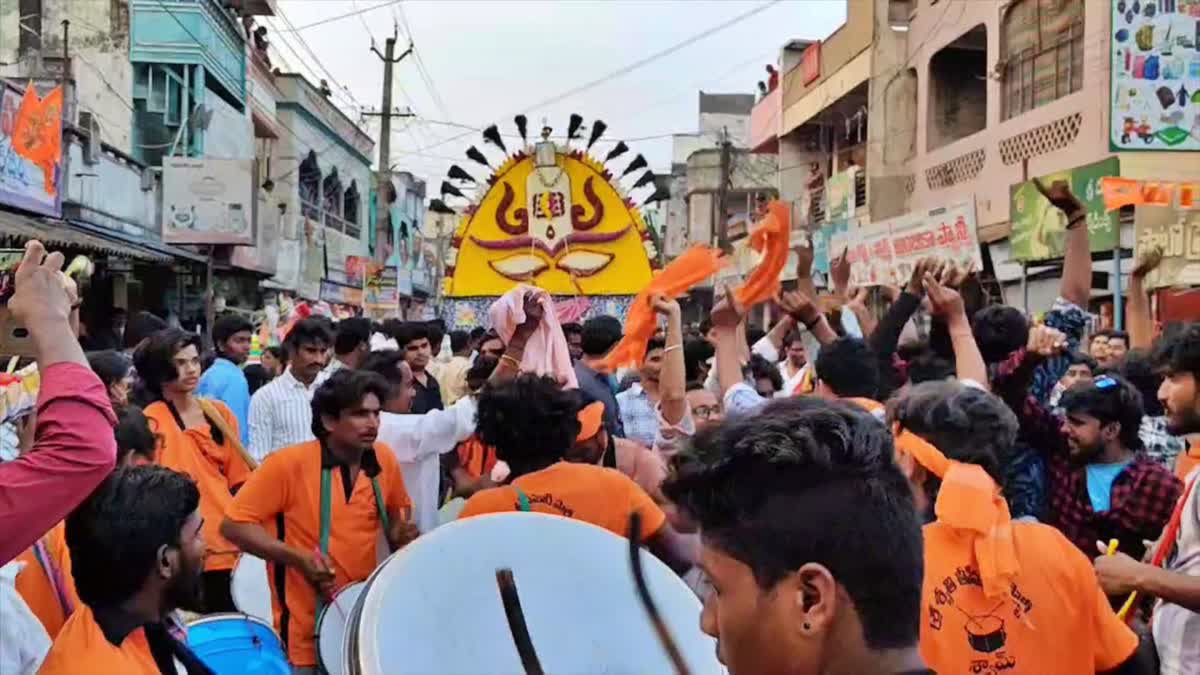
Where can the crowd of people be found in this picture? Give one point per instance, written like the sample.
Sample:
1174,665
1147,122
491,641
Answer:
938,484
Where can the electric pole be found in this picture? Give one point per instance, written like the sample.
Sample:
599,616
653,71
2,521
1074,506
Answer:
723,194
384,177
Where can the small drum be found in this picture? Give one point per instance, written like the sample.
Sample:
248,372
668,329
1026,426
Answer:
332,626
449,512
236,644
250,586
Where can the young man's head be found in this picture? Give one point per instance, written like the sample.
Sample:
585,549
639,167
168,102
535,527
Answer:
436,330
138,535
140,327
460,343
490,345
137,443
767,378
306,345
651,367
476,335
391,366
600,333
1081,369
574,334
1102,419
706,409
346,410
696,355
231,336
797,356
1177,357
169,362
847,368
592,440
809,535
274,361
530,420
966,423
480,371
353,340
708,331
413,339
999,331
1118,346
1098,346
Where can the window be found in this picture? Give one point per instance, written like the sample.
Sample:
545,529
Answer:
310,186
350,210
958,89
1041,53
331,189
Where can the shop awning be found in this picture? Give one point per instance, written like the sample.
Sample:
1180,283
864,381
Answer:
59,234
154,247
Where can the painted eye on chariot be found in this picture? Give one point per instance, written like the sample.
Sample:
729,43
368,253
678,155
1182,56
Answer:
585,263
520,267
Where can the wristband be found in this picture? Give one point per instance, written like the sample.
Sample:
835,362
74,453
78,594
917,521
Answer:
671,348
506,357
1076,221
814,322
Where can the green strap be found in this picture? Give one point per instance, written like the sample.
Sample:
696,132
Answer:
383,516
326,496
522,499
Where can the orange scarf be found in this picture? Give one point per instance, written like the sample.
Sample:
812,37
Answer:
969,500
770,238
695,265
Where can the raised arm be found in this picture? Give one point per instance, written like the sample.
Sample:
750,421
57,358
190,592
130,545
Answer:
804,310
1077,262
1137,305
947,303
672,386
510,363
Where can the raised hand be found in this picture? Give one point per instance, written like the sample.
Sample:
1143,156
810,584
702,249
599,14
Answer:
944,301
804,259
1045,341
1059,194
727,313
664,305
839,272
43,295
1147,262
799,306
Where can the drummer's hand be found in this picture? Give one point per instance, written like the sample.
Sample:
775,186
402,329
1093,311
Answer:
318,570
401,533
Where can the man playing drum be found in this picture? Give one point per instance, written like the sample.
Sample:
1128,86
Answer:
326,501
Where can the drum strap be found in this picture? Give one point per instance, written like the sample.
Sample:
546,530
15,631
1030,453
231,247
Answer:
326,519
54,576
522,499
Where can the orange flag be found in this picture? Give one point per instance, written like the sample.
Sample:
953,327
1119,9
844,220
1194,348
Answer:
770,238
1120,192
37,132
695,265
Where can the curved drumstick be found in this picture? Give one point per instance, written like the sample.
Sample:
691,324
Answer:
639,580
516,622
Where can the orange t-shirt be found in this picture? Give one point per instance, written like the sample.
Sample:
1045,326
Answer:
82,648
476,458
1054,619
217,469
594,494
34,584
1187,461
288,484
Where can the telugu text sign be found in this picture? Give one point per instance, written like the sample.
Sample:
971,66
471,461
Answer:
1039,228
1177,233
948,232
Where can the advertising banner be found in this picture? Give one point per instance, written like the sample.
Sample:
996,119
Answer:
1155,75
1177,233
839,191
379,288
1039,229
208,201
948,232
822,238
338,293
31,149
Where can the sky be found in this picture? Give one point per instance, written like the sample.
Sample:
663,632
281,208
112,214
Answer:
479,63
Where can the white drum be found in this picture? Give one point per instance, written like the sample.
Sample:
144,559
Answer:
450,510
250,586
332,626
576,591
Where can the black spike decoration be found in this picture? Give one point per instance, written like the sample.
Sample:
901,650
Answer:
520,121
492,135
573,127
660,195
439,206
646,179
475,155
448,188
638,162
619,149
456,172
598,128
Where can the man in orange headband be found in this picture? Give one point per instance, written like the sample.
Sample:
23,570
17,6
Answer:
594,445
997,595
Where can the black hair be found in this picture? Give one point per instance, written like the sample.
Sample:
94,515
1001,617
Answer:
792,338
345,390
999,331
278,352
1120,403
754,335
1120,335
1081,359
480,371
115,534
572,328
459,340
1138,369
312,330
133,434
696,352
966,423
256,376
810,481
141,326
155,360
385,363
761,368
477,333
530,420
1178,350
436,330
694,385
410,331
849,368
706,325
351,333
110,366
655,343
227,326
926,365
600,333
1103,332
489,335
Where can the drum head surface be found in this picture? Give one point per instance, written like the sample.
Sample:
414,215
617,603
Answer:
250,587
334,622
235,644
434,607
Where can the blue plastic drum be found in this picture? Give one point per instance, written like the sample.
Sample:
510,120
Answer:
237,644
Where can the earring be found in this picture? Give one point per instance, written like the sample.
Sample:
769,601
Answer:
807,626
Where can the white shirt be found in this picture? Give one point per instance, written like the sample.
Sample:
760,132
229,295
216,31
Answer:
1177,629
23,641
281,415
419,441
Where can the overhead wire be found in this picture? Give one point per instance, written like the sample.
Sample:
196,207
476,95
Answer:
339,17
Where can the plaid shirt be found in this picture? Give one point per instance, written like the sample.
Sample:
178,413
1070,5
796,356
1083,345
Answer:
1071,319
1143,494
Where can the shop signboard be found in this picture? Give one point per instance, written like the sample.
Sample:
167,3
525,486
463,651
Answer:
379,288
1039,229
337,293
1154,50
356,269
839,192
31,149
822,241
208,201
1177,233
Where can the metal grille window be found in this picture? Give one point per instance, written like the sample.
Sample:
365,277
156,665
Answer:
1041,53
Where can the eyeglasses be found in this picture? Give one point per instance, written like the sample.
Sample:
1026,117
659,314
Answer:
706,411
1104,382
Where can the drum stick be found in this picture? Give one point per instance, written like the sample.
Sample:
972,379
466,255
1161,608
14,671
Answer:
1112,549
639,580
516,622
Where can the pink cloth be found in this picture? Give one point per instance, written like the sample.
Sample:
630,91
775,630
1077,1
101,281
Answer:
546,351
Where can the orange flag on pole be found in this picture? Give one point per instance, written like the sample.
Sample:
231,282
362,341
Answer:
37,132
769,237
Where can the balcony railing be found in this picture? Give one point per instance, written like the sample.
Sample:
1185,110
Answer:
1039,75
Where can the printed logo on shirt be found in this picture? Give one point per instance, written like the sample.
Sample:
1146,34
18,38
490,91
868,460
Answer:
982,630
549,501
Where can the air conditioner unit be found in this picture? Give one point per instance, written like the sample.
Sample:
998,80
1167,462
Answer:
91,126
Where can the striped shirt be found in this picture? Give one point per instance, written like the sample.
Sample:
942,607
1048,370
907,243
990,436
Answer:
280,415
1176,628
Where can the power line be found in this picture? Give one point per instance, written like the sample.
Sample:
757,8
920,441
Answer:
421,69
339,17
333,81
